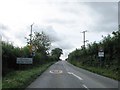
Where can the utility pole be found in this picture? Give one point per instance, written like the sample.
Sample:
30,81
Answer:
31,35
84,40
31,39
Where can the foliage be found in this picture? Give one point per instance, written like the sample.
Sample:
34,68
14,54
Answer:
56,53
41,42
10,53
18,76
99,70
89,55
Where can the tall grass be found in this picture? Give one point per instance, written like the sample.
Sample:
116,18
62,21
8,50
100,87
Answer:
99,70
22,78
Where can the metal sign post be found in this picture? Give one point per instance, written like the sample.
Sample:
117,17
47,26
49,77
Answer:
101,55
24,61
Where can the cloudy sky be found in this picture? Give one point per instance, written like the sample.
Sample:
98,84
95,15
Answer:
62,20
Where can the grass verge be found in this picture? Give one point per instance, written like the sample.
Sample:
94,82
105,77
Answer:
21,79
99,70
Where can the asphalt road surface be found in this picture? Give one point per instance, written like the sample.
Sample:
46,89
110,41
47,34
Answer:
64,75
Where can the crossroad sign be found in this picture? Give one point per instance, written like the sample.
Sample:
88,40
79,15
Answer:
24,61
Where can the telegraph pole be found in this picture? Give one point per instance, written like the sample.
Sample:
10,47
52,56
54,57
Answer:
84,40
31,39
31,34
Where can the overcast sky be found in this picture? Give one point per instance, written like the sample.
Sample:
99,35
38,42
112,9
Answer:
62,20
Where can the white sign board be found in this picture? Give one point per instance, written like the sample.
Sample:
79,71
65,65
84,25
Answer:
33,48
100,54
24,61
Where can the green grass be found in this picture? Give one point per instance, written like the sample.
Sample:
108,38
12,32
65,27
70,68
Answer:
99,70
21,79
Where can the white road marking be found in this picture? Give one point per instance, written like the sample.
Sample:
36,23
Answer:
51,72
56,71
85,87
69,73
75,75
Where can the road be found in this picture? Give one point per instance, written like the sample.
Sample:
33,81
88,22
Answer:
64,75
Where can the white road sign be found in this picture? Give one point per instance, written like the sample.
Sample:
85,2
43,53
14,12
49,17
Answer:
24,61
100,54
33,48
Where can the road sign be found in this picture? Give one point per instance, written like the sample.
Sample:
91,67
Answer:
100,54
30,48
33,48
24,61
33,53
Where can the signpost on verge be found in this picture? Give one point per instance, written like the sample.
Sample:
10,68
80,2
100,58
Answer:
24,61
27,61
33,51
101,55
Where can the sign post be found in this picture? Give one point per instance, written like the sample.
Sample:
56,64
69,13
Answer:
24,61
101,55
32,50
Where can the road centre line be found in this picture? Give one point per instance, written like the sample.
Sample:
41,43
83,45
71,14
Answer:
75,75
85,87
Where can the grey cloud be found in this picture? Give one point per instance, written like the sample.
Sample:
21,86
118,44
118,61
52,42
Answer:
54,37
64,44
73,8
107,9
60,21
104,14
105,27
3,27
108,21
57,39
4,36
119,13
21,36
